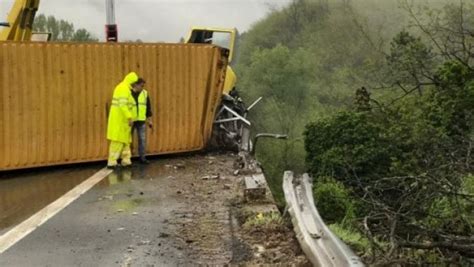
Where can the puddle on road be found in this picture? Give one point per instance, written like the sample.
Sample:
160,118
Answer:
165,168
122,193
24,193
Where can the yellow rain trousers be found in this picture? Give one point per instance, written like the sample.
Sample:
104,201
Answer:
119,150
119,131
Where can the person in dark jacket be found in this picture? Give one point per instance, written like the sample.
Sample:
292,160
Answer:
141,112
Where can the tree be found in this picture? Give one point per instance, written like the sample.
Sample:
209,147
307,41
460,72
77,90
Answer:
280,76
61,30
82,35
303,60
408,161
402,150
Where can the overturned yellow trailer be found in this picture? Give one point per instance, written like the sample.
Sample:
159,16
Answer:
54,98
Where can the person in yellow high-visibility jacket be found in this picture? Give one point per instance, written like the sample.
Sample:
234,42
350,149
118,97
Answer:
119,129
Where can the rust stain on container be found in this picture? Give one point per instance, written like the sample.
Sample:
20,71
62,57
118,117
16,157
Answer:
54,98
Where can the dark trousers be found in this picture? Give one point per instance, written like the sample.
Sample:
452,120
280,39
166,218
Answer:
140,127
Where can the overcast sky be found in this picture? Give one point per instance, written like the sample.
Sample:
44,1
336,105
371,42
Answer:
156,20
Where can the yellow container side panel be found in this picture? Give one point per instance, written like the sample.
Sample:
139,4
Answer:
54,98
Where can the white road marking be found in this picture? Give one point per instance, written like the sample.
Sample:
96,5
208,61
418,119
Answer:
17,233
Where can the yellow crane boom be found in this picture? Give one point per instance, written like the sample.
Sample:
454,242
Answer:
20,21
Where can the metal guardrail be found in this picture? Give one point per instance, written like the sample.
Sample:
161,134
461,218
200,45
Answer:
321,246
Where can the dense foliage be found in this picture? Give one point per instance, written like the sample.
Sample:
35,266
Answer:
393,161
300,60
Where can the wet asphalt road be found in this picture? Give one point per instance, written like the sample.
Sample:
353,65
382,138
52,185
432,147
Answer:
179,211
122,221
23,193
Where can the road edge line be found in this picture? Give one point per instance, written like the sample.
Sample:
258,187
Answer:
23,229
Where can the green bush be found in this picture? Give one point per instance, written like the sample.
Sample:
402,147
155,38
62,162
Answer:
407,161
351,237
348,143
333,200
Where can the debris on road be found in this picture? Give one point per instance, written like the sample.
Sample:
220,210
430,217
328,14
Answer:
195,216
179,166
210,177
144,242
164,235
211,233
